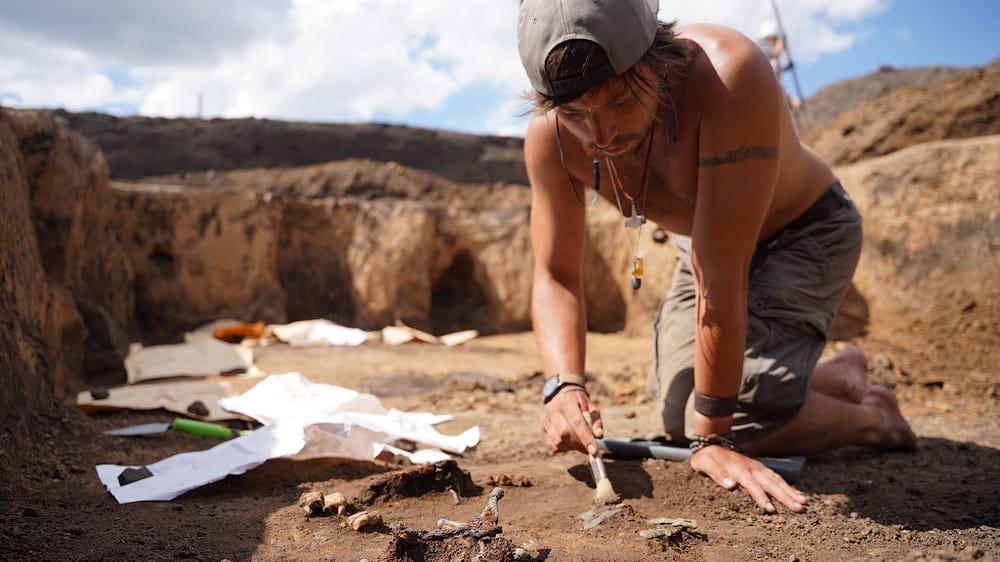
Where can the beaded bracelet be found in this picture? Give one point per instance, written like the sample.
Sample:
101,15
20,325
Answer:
701,441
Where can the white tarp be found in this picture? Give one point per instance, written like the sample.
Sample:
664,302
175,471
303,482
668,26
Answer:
302,420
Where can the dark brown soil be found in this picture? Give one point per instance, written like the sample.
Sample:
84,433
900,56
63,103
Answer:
941,502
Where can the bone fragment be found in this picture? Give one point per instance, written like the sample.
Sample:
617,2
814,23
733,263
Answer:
363,519
311,503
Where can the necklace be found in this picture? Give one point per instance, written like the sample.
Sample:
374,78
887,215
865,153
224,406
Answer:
635,220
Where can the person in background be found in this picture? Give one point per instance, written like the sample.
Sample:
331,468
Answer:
772,42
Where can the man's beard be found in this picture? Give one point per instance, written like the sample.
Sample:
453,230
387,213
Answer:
627,148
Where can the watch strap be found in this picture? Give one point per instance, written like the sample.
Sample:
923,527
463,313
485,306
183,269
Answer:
571,378
555,383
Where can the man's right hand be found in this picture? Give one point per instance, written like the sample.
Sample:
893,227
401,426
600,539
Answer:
563,427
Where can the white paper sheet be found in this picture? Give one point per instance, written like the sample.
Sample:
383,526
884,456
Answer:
174,396
303,420
181,473
291,396
199,355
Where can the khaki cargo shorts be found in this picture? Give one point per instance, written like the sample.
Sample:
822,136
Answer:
797,282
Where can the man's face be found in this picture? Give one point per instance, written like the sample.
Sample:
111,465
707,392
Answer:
611,119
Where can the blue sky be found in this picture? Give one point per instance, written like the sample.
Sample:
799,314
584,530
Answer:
432,63
913,33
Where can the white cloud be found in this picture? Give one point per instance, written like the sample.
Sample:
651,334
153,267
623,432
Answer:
321,60
506,118
148,31
814,27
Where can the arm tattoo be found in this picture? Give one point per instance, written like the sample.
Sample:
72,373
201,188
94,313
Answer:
739,155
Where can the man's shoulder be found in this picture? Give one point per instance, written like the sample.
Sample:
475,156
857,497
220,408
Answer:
721,51
714,38
725,65
540,124
540,135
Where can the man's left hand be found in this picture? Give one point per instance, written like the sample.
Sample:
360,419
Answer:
730,469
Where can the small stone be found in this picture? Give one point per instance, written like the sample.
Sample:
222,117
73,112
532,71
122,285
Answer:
599,518
970,553
198,408
99,393
993,391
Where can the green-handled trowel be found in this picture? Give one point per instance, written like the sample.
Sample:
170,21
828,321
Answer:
194,427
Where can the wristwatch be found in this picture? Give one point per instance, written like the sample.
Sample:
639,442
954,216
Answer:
555,383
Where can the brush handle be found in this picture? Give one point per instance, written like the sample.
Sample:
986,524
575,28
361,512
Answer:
586,412
597,467
596,461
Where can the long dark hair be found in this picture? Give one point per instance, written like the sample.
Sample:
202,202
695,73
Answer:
575,57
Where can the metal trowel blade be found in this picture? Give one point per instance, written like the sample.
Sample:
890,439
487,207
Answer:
144,429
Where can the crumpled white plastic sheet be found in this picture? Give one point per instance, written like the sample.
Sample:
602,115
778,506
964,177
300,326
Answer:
302,420
318,332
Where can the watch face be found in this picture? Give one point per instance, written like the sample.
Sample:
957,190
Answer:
551,385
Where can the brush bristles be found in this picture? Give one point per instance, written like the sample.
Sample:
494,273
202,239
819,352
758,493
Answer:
605,492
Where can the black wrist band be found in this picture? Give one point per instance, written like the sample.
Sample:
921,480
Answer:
701,441
714,407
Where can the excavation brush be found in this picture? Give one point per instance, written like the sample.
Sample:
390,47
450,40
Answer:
605,492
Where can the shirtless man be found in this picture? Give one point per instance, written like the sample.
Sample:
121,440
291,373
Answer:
687,127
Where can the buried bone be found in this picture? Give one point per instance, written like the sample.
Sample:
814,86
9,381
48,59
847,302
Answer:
317,503
667,527
364,519
335,502
479,539
311,503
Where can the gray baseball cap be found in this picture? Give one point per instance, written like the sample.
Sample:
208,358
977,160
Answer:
625,29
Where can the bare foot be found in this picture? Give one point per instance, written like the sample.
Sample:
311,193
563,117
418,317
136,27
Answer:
843,376
894,432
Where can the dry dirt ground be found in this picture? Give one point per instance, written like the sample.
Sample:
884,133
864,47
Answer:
941,502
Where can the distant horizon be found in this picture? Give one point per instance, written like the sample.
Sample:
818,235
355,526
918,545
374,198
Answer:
432,64
970,68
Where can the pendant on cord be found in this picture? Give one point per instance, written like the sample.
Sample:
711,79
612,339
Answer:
636,220
637,270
